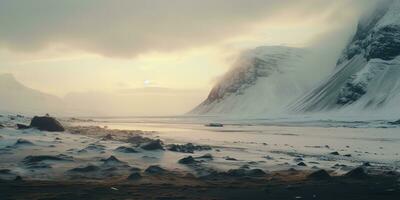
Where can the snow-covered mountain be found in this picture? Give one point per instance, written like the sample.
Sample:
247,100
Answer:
15,97
367,76
260,81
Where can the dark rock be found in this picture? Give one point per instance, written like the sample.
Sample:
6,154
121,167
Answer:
40,158
138,140
23,142
302,164
18,178
188,148
395,122
1,126
187,160
319,175
135,169
214,125
206,156
22,126
134,176
5,171
335,153
153,145
89,168
47,124
357,173
112,160
367,164
126,149
255,172
108,137
155,169
347,155
242,172
230,158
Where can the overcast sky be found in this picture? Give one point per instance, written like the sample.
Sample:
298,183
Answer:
110,46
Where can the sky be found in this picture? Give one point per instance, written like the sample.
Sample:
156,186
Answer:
138,56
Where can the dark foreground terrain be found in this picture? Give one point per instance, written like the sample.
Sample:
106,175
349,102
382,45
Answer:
278,186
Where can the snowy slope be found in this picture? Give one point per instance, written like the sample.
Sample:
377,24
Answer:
367,76
15,97
260,81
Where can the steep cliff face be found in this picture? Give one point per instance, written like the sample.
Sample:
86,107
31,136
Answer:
367,76
258,82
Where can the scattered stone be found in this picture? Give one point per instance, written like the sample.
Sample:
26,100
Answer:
5,171
22,126
153,145
367,164
126,150
23,142
138,140
214,125
335,153
298,159
155,170
206,156
107,137
134,176
188,148
18,178
319,175
112,160
357,173
187,160
268,157
242,172
135,169
47,123
1,126
86,169
230,158
395,122
40,158
347,155
302,164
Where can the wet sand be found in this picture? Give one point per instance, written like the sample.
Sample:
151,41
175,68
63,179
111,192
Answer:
283,185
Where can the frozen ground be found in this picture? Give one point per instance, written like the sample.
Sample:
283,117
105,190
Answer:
260,144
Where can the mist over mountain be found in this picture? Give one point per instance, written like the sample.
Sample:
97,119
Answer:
16,97
268,80
367,75
261,80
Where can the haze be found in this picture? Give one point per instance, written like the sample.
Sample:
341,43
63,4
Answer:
156,57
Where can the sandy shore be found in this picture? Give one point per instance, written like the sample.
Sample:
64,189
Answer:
101,162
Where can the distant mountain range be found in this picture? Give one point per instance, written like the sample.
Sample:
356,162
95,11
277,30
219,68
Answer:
16,97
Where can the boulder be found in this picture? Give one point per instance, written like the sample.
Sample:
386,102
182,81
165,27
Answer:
357,173
46,124
86,169
187,160
188,148
22,126
302,164
134,176
153,145
155,169
124,149
319,175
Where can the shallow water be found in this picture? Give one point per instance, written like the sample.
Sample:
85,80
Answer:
256,143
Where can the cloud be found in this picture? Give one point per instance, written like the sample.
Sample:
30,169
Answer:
127,28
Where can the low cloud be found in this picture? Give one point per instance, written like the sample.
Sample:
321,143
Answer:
126,29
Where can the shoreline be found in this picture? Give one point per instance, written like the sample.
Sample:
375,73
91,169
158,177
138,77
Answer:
282,185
